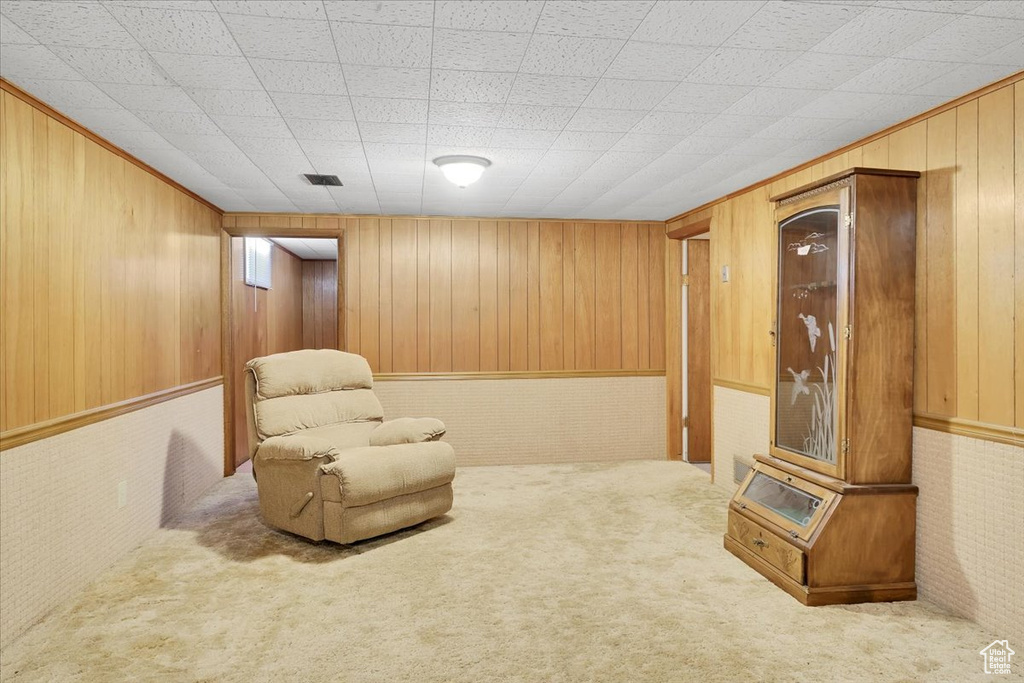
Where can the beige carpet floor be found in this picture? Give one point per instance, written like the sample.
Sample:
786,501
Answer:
611,572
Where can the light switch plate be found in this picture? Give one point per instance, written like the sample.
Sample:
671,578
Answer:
725,273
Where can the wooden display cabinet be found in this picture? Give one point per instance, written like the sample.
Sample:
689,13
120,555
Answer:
829,515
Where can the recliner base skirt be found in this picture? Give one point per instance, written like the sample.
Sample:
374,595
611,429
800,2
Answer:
351,524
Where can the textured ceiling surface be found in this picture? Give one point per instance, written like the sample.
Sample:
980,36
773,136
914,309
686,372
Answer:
594,109
310,249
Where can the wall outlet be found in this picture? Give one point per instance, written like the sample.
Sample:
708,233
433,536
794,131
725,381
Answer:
725,273
122,494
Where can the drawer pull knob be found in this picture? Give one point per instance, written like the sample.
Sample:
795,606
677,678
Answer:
760,543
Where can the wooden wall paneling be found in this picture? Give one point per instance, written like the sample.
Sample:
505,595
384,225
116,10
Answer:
658,244
533,333
115,286
404,307
309,327
518,295
568,295
3,261
329,278
908,149
723,351
369,291
1018,137
385,323
488,296
465,296
875,154
643,308
550,300
996,256
423,295
586,296
674,348
762,270
608,296
285,303
698,353
503,285
966,261
940,284
630,296
352,280
440,296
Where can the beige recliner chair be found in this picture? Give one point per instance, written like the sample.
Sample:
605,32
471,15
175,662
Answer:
325,462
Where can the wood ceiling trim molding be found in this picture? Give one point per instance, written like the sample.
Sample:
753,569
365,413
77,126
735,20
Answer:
514,374
20,436
688,230
9,87
992,87
230,216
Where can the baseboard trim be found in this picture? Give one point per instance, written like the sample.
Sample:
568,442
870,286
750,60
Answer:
976,430
20,436
515,374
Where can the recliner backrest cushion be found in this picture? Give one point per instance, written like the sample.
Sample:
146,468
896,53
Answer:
311,388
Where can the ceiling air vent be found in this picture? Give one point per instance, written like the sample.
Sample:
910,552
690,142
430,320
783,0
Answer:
315,179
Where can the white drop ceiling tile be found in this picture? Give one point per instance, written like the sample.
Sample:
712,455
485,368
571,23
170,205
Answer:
197,143
70,96
559,91
645,142
307,106
798,128
478,50
208,71
965,38
66,23
604,120
190,5
293,9
656,62
820,71
694,23
848,131
134,140
595,19
485,15
895,76
506,161
759,147
159,30
34,62
348,169
402,133
736,66
397,12
840,105
526,139
704,145
585,140
461,136
254,126
954,6
179,122
377,45
791,25
378,81
702,98
234,102
405,154
481,114
880,32
470,86
335,148
272,38
671,123
317,78
114,66
896,108
1008,55
964,79
406,183
111,119
612,93
319,129
284,147
772,101
569,55
535,117
1008,9
13,35
389,110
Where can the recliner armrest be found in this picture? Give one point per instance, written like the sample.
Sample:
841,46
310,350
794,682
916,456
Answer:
296,447
407,430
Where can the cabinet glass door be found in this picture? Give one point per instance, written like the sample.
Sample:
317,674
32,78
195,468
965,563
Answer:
806,415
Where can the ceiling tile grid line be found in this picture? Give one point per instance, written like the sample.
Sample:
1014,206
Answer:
588,110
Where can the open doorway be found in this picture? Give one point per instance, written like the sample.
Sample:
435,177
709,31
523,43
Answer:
696,330
283,297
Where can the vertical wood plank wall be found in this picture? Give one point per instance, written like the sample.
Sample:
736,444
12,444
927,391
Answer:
969,347
319,304
469,295
110,277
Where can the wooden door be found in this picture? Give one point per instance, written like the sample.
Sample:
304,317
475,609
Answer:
698,351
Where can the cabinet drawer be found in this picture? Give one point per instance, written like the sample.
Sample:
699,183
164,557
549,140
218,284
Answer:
787,558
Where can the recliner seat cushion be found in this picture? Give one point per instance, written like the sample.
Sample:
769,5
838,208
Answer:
363,476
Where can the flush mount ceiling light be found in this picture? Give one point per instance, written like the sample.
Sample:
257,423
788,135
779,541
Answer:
462,170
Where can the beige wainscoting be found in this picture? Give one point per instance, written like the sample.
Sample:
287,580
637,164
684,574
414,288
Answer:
527,421
60,524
